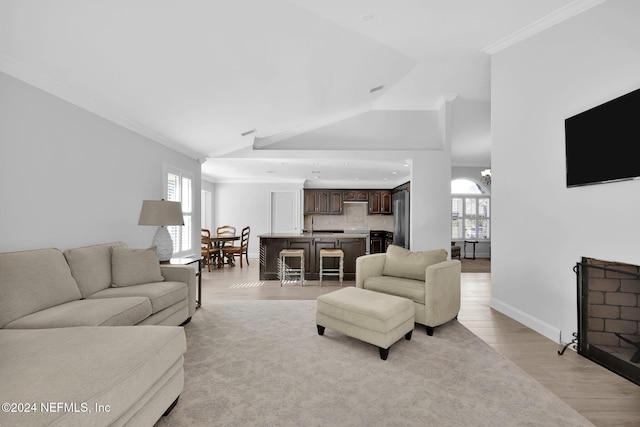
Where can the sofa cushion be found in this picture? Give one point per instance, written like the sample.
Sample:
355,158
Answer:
161,294
134,266
401,262
88,312
91,266
399,286
31,281
116,366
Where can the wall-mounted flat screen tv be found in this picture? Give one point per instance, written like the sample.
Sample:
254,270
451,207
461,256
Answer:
602,143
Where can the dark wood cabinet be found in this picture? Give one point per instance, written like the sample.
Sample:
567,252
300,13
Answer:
380,202
355,196
352,248
269,254
385,202
377,243
374,202
309,202
335,202
328,202
270,248
380,241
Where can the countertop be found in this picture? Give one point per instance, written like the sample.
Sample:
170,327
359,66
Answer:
313,234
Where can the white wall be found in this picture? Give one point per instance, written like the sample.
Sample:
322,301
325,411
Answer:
540,227
240,205
430,200
430,203
70,178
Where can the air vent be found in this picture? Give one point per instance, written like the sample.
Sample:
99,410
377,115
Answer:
249,132
375,89
367,17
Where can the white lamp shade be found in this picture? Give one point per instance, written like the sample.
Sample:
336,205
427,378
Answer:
160,213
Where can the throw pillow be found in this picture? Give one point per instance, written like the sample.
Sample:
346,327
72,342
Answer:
134,266
401,262
91,266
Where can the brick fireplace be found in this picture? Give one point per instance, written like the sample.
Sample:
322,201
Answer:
609,315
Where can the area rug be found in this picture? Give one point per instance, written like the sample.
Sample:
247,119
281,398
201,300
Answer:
478,265
262,363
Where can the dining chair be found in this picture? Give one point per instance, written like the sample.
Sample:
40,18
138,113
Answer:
225,230
243,249
206,249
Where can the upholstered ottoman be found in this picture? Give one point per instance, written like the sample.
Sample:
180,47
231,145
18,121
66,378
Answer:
373,317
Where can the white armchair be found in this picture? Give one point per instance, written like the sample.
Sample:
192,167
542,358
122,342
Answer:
426,278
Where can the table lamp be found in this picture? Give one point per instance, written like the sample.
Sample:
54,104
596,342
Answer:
161,213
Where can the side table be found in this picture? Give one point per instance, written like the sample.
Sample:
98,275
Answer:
474,248
187,261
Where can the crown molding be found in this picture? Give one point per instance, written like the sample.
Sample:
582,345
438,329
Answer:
259,143
29,75
568,11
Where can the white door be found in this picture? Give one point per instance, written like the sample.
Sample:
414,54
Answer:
285,212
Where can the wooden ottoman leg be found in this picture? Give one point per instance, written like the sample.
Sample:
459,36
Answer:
384,353
320,330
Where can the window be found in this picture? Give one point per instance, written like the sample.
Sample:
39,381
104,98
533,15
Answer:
179,189
470,211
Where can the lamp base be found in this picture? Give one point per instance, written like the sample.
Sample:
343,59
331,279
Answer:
163,243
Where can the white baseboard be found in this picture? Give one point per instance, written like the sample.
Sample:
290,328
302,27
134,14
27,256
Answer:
526,319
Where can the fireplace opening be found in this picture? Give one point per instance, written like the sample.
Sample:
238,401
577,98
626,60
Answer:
609,315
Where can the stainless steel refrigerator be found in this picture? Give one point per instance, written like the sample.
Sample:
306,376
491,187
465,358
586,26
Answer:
400,202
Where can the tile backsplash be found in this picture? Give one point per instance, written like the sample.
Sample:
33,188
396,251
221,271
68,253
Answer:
354,215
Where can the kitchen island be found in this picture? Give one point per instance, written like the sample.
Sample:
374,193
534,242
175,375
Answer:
353,245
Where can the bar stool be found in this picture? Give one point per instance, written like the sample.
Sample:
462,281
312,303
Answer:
285,270
331,253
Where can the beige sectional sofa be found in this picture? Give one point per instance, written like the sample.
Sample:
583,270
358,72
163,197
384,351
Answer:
66,335
426,278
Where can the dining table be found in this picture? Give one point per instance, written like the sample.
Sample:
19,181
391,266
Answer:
218,243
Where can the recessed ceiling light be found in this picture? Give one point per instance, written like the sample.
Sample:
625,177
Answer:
406,165
316,177
386,179
394,172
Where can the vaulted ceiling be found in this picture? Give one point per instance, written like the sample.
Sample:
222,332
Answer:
296,74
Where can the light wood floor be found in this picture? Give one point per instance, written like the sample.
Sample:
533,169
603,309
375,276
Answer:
601,396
